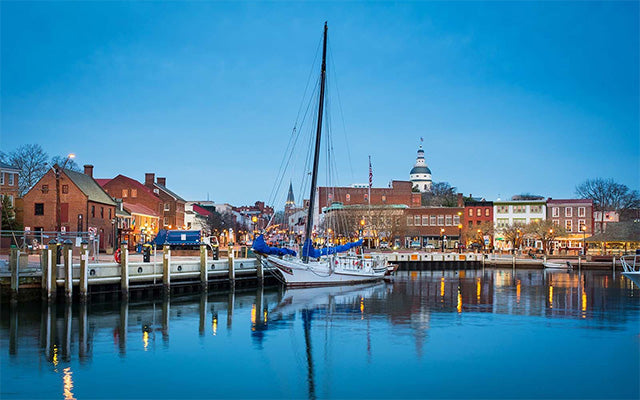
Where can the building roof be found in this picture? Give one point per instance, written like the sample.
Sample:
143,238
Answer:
541,202
9,166
102,181
130,181
569,201
89,187
139,209
420,170
628,231
169,192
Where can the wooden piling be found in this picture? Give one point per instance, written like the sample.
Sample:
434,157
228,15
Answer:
68,269
52,270
232,269
124,270
259,270
204,277
84,281
166,271
14,266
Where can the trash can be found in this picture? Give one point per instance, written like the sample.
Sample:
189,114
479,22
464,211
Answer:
146,253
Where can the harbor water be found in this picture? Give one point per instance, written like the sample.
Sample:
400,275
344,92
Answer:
493,333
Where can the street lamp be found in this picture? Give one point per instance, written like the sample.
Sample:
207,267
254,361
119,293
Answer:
57,170
459,237
479,232
254,219
442,239
517,241
584,237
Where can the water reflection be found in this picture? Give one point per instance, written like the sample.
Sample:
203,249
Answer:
413,305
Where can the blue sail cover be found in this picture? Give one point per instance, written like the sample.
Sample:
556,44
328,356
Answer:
260,246
308,250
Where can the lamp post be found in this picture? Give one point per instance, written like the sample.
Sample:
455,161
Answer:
550,234
584,237
459,237
479,232
517,241
442,239
57,170
254,219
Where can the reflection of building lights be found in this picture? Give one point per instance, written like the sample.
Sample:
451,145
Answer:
145,339
518,285
550,296
264,314
459,301
55,356
361,305
442,287
584,301
214,325
478,290
68,384
253,316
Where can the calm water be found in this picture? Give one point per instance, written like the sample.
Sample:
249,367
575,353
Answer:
467,334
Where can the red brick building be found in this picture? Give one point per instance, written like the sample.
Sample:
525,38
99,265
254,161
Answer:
172,215
399,192
9,182
84,205
132,192
576,217
433,226
477,212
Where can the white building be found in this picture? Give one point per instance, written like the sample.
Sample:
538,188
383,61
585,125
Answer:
420,175
510,212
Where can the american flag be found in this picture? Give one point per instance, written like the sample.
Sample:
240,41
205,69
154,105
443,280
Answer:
370,174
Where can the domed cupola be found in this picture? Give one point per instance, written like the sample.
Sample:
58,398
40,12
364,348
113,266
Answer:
420,175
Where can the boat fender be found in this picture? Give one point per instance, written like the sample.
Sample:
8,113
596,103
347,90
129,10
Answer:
116,255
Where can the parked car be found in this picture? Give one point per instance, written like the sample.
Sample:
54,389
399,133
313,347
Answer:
429,246
415,244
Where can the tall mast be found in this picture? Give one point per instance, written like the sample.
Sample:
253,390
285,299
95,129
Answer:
316,157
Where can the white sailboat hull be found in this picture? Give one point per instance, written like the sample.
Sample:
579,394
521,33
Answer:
335,270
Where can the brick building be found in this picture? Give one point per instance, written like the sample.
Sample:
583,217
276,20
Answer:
9,182
440,227
477,212
173,206
132,192
84,205
576,217
399,192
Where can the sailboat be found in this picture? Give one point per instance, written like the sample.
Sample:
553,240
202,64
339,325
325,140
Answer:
329,265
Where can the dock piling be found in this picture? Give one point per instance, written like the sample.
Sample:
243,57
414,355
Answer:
84,282
52,270
68,269
232,269
204,278
166,271
14,266
124,269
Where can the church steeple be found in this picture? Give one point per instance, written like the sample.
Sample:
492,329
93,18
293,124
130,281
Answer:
291,202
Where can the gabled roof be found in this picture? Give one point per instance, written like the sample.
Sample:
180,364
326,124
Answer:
89,187
169,192
103,181
132,182
9,166
139,209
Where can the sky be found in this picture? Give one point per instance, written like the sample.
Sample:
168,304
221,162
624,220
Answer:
510,97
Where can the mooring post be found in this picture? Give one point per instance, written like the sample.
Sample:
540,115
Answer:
84,280
52,271
124,269
204,278
68,269
166,271
259,270
232,268
14,266
44,265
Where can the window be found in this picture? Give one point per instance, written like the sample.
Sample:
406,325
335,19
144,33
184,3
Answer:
440,220
502,209
470,224
502,222
93,211
11,200
156,191
134,192
581,211
102,212
567,225
486,212
555,212
448,220
165,220
432,220
409,221
384,199
535,209
568,212
417,220
348,197
479,212
65,189
38,209
125,193
521,221
425,220
456,220
471,212
556,222
519,209
11,176
167,207
45,189
1,178
582,224
109,213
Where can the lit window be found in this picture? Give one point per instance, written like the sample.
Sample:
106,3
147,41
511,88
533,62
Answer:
536,209
567,225
384,199
486,212
471,212
479,212
134,192
125,193
348,197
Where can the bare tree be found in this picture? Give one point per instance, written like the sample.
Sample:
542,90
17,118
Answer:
477,233
442,194
67,162
545,231
608,195
31,159
527,196
513,233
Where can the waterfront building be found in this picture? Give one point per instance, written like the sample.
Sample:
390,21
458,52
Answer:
84,205
619,238
434,227
398,192
9,176
511,212
602,218
420,175
144,223
173,205
576,217
196,214
478,224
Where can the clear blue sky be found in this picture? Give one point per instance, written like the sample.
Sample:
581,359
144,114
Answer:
510,97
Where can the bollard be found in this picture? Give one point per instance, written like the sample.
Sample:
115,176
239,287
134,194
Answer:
166,272
14,266
52,271
84,281
68,269
232,268
204,278
124,270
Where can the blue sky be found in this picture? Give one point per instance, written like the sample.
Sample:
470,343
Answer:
510,97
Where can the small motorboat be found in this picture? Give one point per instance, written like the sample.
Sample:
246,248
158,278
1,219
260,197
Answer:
557,265
391,269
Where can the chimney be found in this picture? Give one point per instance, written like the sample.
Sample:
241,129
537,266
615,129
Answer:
162,181
460,200
149,178
88,170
